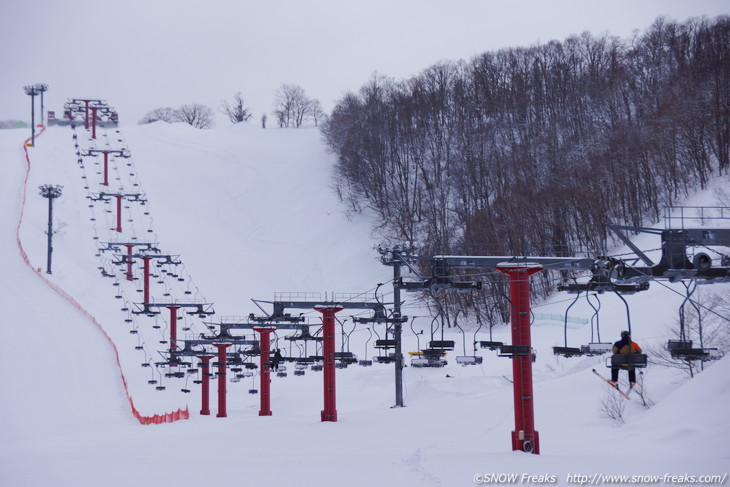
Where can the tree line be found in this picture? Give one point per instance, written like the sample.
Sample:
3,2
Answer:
292,108
530,151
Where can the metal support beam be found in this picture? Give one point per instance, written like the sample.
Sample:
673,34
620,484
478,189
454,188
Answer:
221,379
205,384
524,436
328,351
265,370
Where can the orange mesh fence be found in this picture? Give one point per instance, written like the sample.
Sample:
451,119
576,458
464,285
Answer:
178,415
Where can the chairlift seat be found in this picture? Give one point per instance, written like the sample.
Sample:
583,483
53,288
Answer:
490,345
316,368
469,360
299,372
596,348
637,360
419,362
568,351
673,345
683,350
428,362
431,353
515,351
365,363
253,391
385,359
385,343
442,344
281,374
344,355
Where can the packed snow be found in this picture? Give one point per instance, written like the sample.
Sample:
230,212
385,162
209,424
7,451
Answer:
251,212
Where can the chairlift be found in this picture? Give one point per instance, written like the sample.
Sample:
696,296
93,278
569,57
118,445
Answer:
515,351
683,349
365,362
567,351
599,347
488,344
466,359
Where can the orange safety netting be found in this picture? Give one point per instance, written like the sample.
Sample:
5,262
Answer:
155,419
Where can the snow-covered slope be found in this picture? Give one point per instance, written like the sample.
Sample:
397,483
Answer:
250,212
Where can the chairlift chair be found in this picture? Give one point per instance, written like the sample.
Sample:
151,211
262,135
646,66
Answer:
683,349
596,348
515,351
469,360
636,360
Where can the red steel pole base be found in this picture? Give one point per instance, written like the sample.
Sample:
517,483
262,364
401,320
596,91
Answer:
106,169
221,379
328,348
524,436
130,272
93,122
265,376
119,212
205,389
173,327
146,278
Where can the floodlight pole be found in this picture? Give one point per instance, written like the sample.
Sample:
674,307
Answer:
41,88
51,192
32,91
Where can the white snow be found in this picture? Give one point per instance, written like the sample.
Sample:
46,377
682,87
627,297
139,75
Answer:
251,212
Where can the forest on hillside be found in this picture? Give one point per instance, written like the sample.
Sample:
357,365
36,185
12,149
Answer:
531,151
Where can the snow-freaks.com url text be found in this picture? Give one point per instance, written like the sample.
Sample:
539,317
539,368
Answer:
600,479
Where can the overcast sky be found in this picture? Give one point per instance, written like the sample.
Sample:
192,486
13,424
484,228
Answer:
144,54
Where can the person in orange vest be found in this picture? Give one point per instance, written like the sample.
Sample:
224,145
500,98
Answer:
624,346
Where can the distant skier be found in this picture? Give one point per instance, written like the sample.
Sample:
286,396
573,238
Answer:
622,347
276,360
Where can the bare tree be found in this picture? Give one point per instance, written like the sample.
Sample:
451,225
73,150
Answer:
292,107
316,112
612,406
236,111
164,114
195,114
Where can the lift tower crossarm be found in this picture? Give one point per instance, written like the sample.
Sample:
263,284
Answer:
492,262
617,230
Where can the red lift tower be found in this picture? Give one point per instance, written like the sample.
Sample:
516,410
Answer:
106,152
518,270
131,197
